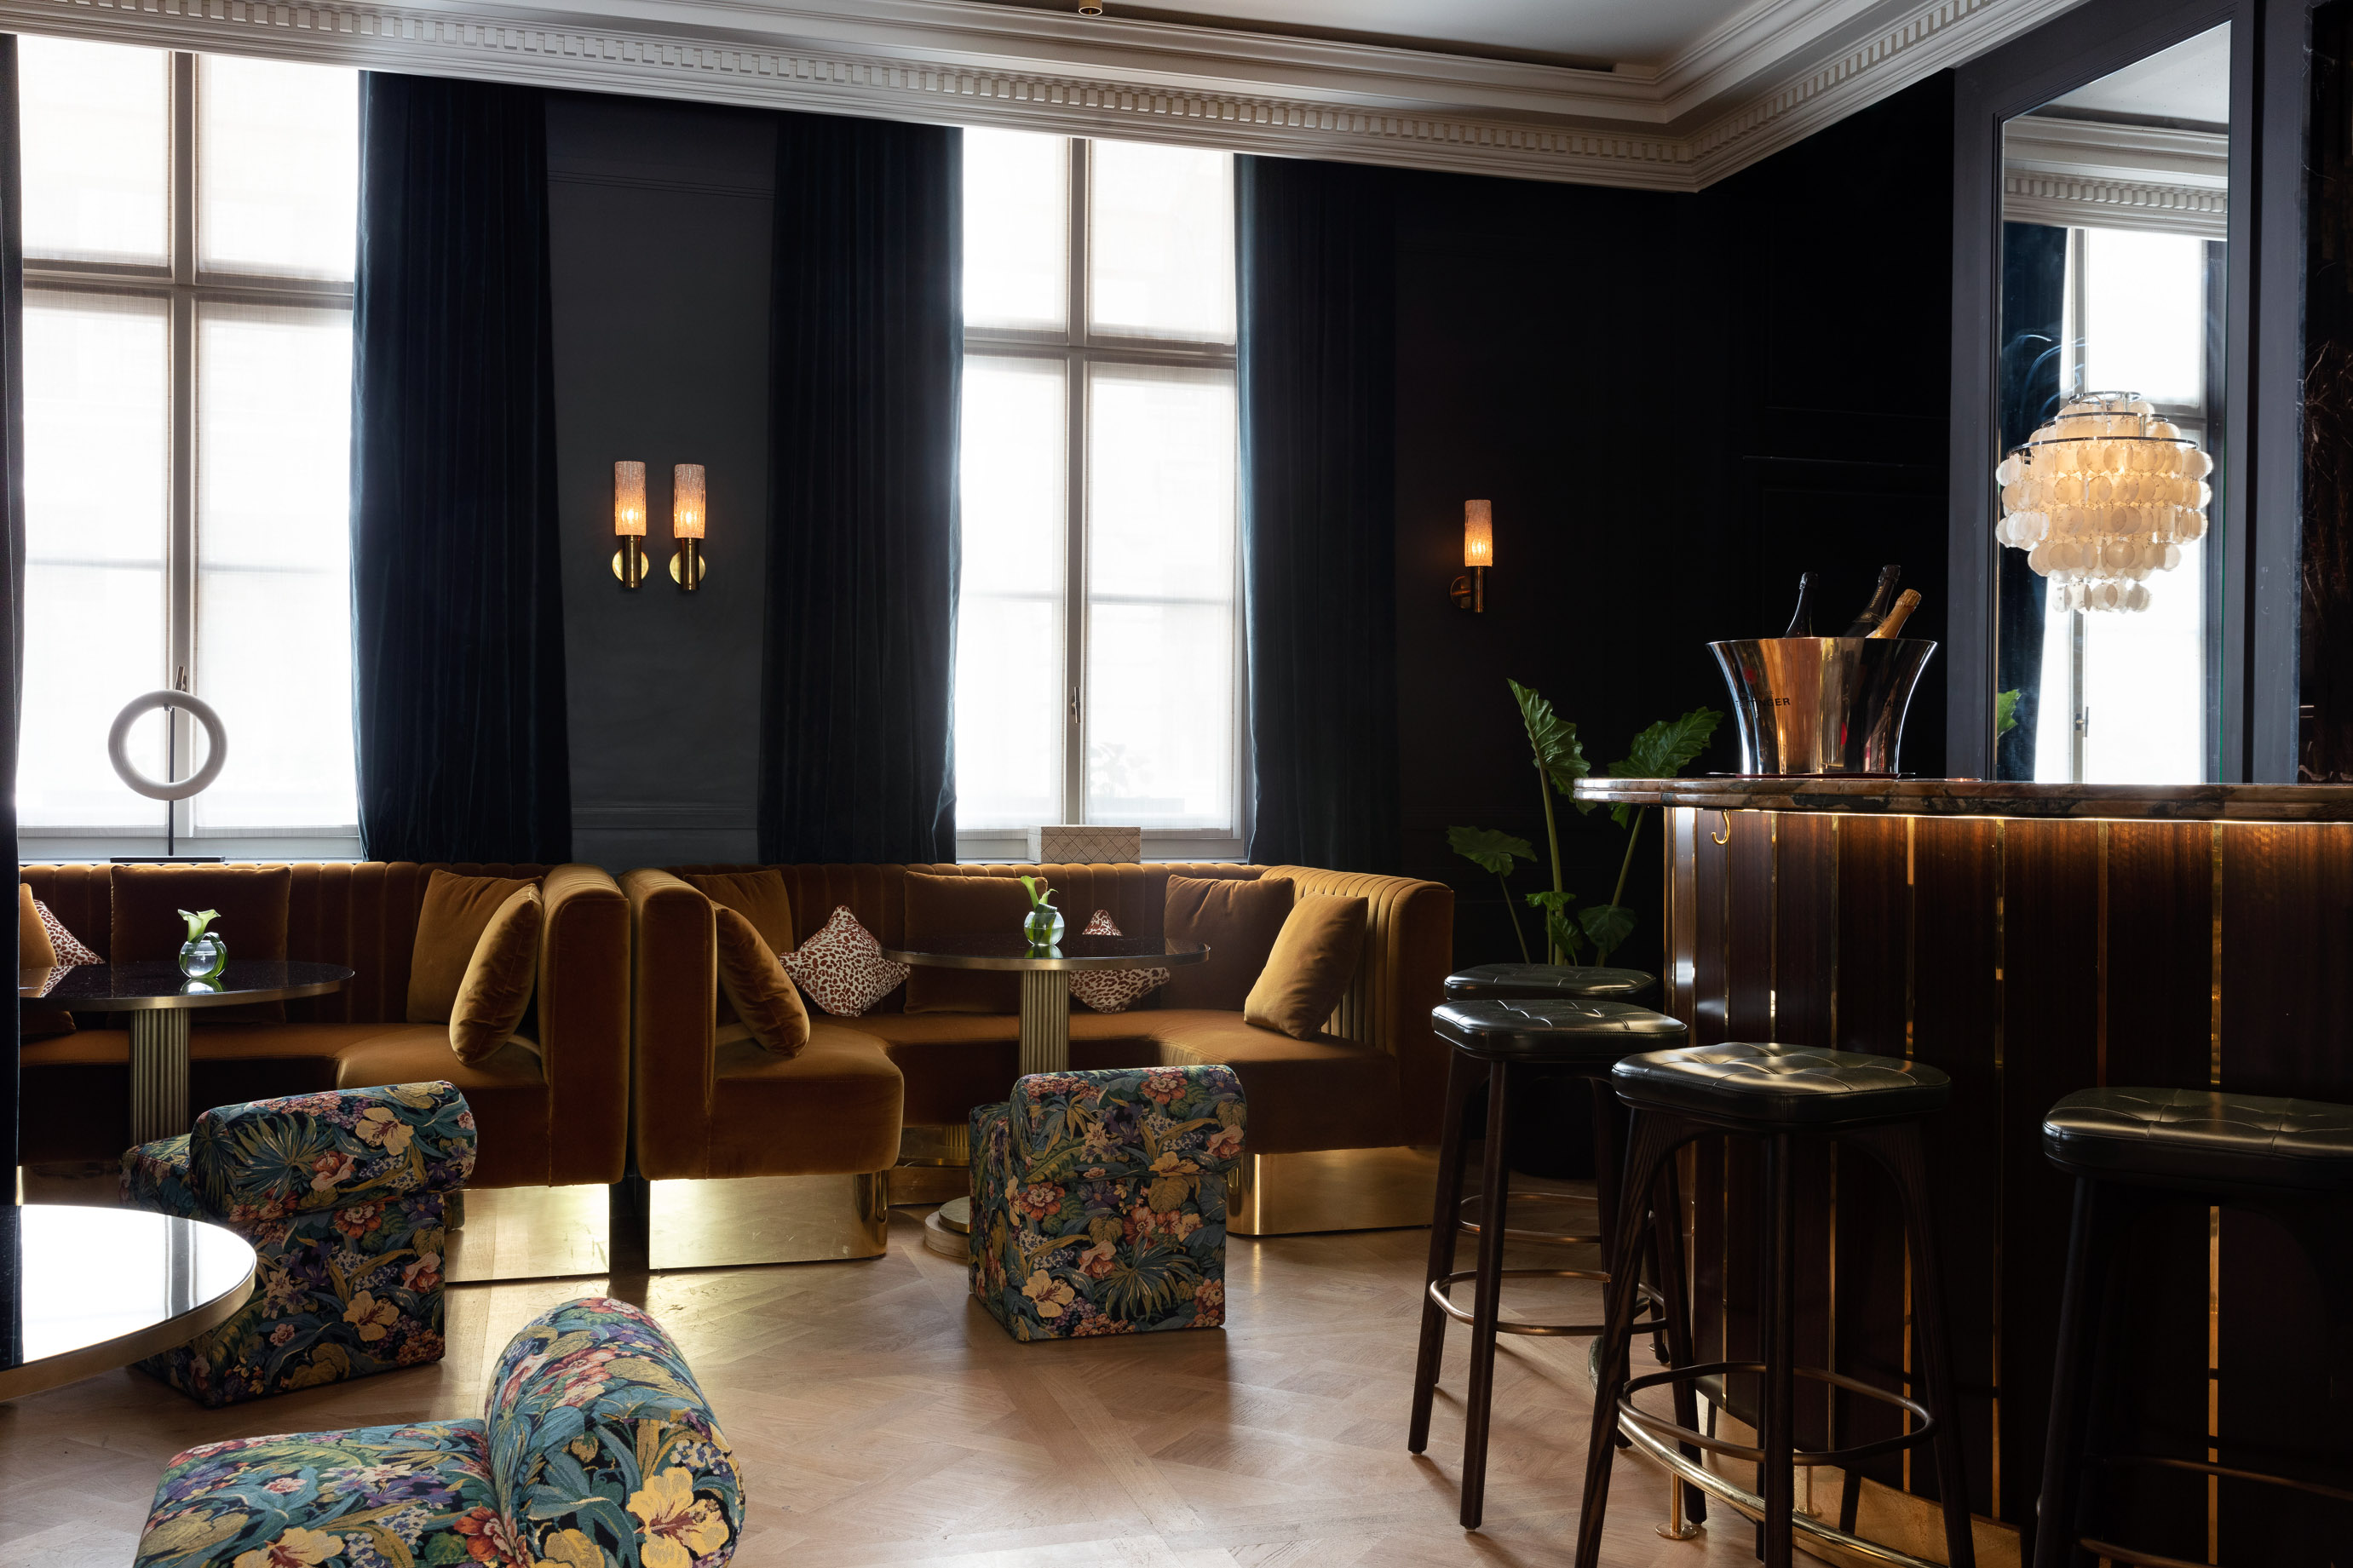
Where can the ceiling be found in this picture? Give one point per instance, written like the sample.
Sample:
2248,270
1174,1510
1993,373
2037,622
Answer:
1585,34
2186,84
1668,95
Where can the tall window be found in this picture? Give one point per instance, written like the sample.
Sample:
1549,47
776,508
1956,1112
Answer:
189,231
2125,697
1098,666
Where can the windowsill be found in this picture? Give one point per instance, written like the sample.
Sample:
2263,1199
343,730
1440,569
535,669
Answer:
35,846
1010,847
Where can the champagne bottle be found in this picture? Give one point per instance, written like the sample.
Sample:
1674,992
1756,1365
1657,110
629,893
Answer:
1883,598
1893,627
1801,619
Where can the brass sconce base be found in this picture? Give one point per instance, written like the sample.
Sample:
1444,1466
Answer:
686,567
629,562
1470,591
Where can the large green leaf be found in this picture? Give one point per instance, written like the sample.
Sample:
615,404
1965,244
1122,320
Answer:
2005,712
1607,926
1663,751
1559,755
1560,927
1491,849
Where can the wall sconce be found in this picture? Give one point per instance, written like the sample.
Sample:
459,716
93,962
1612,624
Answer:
1470,590
686,518
630,522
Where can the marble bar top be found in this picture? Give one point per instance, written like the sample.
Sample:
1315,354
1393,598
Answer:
1977,797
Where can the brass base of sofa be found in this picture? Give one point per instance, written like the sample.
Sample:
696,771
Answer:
934,1165
1332,1189
752,1220
529,1233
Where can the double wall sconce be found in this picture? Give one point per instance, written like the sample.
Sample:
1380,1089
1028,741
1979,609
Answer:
687,515
1470,590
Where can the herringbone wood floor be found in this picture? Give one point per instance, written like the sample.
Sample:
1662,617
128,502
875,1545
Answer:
882,1418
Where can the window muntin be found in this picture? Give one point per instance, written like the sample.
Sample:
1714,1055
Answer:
1098,646
188,437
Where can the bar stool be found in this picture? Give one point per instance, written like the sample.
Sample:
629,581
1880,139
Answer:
2134,1150
1537,982
1779,1093
1494,1043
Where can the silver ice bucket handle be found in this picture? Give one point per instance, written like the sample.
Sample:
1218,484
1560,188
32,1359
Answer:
1821,705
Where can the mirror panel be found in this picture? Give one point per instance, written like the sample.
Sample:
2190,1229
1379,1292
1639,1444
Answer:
2111,361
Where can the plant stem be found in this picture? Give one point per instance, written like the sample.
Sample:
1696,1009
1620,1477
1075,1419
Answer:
1618,894
1552,839
1514,914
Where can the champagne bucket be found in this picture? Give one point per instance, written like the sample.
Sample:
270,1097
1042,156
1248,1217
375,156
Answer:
1821,705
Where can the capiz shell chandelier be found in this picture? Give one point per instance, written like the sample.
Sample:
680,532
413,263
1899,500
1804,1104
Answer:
2101,497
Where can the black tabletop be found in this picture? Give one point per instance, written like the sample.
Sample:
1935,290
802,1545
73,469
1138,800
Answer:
134,987
82,1289
1011,952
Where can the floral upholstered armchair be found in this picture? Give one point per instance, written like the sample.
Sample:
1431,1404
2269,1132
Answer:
595,1449
344,1196
1098,1201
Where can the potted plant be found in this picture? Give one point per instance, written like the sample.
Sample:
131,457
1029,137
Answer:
204,954
1044,925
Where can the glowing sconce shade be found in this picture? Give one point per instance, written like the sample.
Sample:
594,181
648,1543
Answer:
686,522
630,522
1470,590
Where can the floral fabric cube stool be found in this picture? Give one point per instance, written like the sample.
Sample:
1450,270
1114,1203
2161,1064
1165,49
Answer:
595,1449
344,1196
1098,1201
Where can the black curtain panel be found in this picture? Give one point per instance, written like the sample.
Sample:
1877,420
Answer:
1318,425
12,535
2034,351
866,350
458,615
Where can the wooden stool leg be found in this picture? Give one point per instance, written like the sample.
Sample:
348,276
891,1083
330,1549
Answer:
1487,1293
1777,1338
1904,1152
1461,1078
2055,1525
1667,1249
1654,1140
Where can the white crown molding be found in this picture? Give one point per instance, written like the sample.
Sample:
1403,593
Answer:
2147,205
2093,174
1772,75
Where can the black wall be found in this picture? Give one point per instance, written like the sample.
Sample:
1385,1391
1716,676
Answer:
659,231
1676,402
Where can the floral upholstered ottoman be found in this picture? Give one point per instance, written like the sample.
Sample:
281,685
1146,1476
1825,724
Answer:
344,1196
1098,1201
596,1450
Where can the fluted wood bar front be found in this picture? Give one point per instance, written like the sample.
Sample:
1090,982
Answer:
2031,940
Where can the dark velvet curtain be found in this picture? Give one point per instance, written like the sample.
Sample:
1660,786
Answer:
1318,296
2033,296
867,327
12,541
458,613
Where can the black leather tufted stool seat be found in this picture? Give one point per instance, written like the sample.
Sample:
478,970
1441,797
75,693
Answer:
1538,982
1778,1094
2132,1150
1497,1046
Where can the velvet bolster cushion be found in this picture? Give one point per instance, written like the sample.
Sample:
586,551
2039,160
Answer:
449,926
760,897
252,901
1239,920
34,949
764,997
500,978
940,907
1314,957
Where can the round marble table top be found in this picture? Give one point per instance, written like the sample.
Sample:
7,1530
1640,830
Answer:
1073,953
85,1290
136,987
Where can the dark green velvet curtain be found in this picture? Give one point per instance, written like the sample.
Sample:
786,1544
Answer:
2033,299
867,326
12,533
1318,425
458,613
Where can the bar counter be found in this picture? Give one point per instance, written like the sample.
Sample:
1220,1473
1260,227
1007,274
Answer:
2031,940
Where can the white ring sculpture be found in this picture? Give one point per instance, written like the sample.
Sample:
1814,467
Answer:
118,745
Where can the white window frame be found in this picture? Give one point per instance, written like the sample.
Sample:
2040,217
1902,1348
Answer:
1080,349
184,286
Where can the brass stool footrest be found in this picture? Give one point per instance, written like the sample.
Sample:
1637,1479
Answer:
1662,1427
2127,1557
1438,1293
1470,1226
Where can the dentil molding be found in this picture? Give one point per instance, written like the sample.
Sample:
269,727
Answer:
1770,75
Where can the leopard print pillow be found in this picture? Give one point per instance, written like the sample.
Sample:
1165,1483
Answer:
842,968
1113,990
